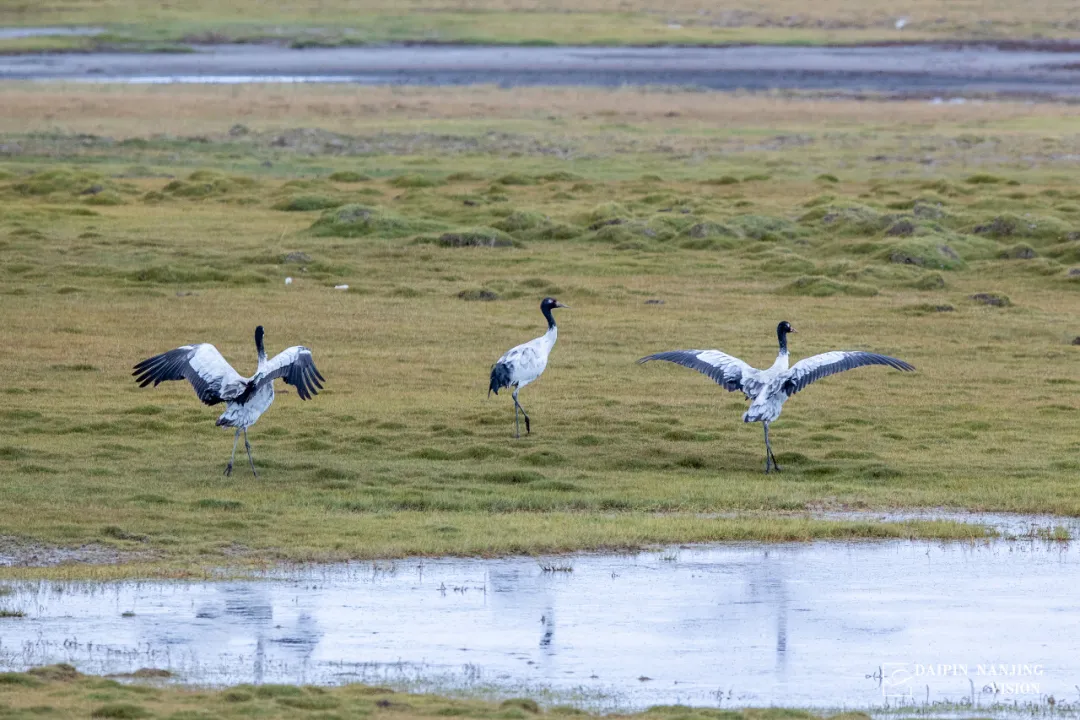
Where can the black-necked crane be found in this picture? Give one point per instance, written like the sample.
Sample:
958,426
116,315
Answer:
523,364
215,382
768,390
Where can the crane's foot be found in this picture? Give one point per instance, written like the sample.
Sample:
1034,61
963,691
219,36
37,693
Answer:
528,430
228,470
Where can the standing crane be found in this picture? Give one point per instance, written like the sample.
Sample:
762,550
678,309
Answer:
524,364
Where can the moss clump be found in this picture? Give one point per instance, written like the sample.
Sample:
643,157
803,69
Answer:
414,181
1027,227
552,231
631,232
787,264
901,228
207,183
525,704
710,229
478,237
929,281
818,286
766,228
920,309
122,711
1018,252
61,672
722,180
348,176
560,176
827,177
848,219
365,221
984,179
520,220
464,176
709,235
516,179
527,225
106,198
478,294
63,182
923,252
992,299
307,203
606,212
16,678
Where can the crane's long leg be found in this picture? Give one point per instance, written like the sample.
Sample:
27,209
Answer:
228,468
768,452
517,426
247,446
517,406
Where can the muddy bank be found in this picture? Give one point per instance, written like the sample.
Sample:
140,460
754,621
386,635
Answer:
913,70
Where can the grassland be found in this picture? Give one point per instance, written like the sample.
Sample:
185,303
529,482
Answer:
137,219
59,691
130,24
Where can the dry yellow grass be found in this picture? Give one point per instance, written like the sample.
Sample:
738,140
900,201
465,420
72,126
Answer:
561,21
982,17
133,111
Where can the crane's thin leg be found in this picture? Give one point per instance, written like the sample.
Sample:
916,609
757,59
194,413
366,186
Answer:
228,468
247,446
769,453
517,406
517,423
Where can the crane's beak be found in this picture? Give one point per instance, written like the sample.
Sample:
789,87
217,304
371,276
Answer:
560,305
793,330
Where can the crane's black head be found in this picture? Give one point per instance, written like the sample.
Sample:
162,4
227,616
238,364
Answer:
259,340
782,331
547,305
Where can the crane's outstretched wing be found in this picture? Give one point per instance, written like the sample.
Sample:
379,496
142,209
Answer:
295,366
814,368
729,372
202,365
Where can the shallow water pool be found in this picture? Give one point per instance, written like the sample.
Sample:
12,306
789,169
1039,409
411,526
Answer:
828,625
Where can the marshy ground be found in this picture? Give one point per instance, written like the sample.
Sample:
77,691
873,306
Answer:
60,691
135,219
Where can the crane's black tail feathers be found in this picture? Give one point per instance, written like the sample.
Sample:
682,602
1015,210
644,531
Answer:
500,378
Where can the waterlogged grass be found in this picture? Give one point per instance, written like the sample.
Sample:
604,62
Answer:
403,452
59,691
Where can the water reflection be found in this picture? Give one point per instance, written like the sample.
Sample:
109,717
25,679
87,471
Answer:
732,625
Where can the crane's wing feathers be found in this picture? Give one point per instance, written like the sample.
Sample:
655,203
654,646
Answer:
729,372
202,365
814,368
295,366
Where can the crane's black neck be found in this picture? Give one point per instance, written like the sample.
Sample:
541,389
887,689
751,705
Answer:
548,316
781,335
259,343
